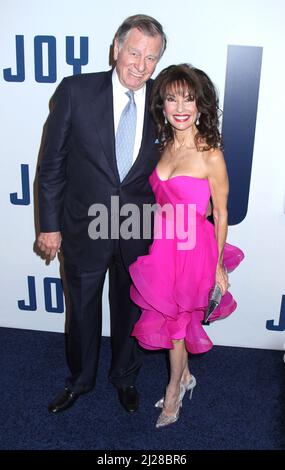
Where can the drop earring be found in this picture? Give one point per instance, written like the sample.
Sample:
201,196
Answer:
165,120
198,119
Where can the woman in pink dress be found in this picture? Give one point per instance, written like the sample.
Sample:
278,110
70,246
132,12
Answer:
189,255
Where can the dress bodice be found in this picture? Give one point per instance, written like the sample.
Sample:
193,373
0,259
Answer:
181,190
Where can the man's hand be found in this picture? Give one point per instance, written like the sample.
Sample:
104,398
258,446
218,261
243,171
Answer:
49,243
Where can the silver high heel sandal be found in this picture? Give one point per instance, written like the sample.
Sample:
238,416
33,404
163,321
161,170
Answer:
165,420
183,389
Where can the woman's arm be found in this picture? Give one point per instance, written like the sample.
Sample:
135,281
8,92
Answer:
219,186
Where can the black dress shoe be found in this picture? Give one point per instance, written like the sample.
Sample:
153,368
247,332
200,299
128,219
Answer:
129,398
63,401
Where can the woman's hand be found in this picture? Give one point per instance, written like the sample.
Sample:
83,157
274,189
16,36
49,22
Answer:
222,278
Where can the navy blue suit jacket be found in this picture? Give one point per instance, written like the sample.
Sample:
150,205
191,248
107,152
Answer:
78,168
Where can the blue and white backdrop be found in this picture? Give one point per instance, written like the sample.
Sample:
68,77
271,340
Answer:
240,44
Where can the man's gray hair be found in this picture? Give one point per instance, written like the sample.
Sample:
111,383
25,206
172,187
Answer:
146,24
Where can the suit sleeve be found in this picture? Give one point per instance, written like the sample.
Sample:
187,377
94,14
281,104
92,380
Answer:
52,171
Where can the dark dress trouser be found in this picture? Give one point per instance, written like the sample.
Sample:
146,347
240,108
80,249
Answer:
84,324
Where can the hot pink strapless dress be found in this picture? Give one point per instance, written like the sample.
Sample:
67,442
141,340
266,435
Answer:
171,285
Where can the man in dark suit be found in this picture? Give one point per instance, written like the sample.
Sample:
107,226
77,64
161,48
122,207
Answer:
80,169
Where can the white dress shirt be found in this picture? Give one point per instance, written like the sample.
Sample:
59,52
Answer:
120,99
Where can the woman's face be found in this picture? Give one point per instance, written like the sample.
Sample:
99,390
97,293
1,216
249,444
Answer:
180,108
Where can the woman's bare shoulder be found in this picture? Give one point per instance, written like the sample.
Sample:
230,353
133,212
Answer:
214,161
214,157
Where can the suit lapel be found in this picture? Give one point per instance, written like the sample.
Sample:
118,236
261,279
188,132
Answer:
104,120
146,120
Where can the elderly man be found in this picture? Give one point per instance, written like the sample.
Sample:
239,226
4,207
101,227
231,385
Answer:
100,143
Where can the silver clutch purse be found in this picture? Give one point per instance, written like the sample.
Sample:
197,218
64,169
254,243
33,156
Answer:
214,300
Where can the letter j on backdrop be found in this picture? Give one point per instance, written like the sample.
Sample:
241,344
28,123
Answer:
239,120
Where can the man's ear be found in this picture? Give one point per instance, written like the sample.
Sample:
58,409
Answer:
116,48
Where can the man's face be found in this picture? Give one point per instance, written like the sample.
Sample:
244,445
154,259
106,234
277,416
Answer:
136,58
